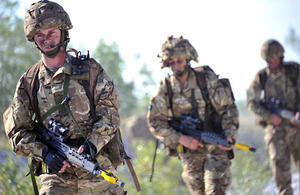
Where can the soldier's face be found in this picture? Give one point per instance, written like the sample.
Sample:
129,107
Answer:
177,65
48,39
274,63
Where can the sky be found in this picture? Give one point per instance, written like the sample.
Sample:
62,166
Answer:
227,34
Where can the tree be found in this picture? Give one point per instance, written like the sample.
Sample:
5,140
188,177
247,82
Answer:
293,40
16,53
109,57
147,84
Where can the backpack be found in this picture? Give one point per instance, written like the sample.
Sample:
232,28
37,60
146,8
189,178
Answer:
85,71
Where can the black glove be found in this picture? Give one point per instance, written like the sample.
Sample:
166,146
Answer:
53,160
89,148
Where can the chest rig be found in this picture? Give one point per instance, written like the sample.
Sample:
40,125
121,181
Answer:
291,71
82,71
212,120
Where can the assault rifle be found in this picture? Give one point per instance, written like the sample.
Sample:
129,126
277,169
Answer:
189,126
273,105
54,138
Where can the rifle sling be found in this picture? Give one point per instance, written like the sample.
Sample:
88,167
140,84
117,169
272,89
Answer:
153,160
35,188
132,172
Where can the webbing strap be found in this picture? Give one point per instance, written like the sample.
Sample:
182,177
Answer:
58,106
169,94
202,84
35,188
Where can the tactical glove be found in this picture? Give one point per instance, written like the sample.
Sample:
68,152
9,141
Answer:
53,160
89,148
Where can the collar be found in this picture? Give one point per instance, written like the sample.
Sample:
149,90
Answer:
64,69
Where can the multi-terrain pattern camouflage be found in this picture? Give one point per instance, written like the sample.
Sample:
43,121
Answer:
18,116
215,169
66,184
271,49
177,47
43,15
282,141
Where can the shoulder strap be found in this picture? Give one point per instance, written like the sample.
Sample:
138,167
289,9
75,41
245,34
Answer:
169,94
262,78
201,81
202,84
292,71
85,70
31,86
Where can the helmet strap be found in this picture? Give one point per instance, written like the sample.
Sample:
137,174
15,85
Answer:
180,74
63,42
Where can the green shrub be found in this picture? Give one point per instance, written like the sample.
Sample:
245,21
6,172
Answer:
13,178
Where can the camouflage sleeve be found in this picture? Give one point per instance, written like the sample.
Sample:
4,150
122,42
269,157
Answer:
253,101
221,96
17,122
158,119
107,104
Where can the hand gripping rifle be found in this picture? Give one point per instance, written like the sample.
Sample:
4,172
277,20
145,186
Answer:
273,105
55,138
189,126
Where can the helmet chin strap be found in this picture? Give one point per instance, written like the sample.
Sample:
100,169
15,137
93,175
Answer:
180,74
63,42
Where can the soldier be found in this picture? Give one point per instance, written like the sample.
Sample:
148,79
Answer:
90,110
196,92
280,81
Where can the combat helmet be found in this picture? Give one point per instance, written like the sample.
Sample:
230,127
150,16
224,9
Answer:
271,49
177,47
45,14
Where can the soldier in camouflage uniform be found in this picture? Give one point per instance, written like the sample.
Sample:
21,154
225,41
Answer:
47,25
206,167
278,80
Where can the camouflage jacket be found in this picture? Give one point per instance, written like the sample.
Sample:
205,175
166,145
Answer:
220,98
277,85
19,115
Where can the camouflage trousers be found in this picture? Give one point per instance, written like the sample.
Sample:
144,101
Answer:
206,172
67,184
282,143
